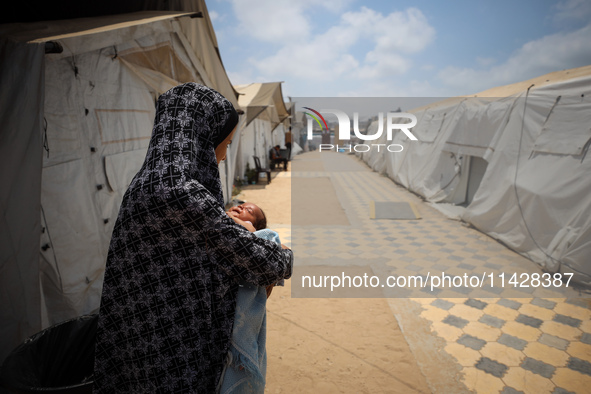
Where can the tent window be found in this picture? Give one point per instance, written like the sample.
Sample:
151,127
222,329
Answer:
567,131
63,138
121,167
476,126
124,125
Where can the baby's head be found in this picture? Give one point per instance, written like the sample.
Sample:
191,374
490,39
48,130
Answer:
249,212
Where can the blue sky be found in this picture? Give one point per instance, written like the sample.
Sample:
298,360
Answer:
425,48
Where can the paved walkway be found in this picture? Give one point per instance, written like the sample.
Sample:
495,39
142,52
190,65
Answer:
470,338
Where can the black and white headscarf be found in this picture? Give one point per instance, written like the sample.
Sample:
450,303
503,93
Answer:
176,258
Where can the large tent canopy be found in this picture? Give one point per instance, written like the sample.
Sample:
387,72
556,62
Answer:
75,127
263,101
512,161
265,118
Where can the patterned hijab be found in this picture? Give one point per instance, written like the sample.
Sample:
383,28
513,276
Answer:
175,258
191,121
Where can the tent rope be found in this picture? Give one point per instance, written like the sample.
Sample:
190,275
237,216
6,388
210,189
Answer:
45,140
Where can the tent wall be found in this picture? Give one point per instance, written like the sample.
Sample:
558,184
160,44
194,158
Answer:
376,161
197,31
449,134
438,178
433,179
536,193
94,105
202,39
99,122
265,115
476,172
255,140
229,166
21,147
278,136
299,132
519,163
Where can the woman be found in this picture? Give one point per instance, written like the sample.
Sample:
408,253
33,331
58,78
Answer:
176,258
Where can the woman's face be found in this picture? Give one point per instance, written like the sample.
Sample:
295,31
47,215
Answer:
247,212
220,151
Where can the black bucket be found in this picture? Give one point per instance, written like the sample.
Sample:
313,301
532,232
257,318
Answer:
59,359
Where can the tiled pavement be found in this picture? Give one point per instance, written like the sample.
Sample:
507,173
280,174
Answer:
530,345
532,340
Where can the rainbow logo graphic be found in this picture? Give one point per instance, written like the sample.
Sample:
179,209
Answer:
316,119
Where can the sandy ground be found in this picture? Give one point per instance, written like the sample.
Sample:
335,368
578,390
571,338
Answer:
330,345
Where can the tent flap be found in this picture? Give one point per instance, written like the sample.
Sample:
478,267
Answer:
567,130
21,148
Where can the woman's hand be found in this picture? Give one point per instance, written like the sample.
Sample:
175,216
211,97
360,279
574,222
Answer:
269,290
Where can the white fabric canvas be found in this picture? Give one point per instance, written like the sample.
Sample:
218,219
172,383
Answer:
93,106
535,194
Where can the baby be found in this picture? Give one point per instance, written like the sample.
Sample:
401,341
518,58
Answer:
254,220
246,362
249,215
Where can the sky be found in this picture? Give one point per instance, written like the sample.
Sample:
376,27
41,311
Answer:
421,48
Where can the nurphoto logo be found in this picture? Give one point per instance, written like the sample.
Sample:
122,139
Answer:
393,123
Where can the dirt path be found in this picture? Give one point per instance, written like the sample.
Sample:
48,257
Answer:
329,345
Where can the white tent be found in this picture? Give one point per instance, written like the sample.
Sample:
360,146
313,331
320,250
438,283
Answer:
298,129
535,195
265,114
91,107
516,159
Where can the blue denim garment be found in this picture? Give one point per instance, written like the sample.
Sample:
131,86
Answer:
246,362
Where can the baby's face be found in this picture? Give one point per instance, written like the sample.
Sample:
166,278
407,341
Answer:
247,212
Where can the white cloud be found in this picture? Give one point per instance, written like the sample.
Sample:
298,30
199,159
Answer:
241,78
485,61
272,20
412,88
406,31
278,21
538,57
572,10
333,48
386,42
383,64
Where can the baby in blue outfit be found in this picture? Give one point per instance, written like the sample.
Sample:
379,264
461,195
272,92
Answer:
246,362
